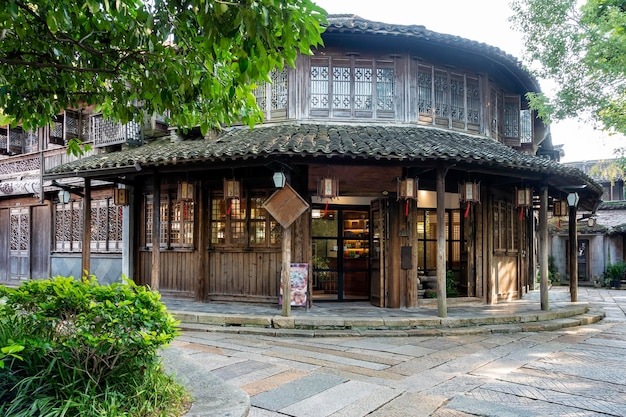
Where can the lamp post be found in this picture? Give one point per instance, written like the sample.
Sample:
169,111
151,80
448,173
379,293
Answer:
572,202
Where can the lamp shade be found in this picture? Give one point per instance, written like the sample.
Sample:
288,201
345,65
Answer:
523,197
573,199
232,189
64,196
469,192
560,208
279,179
407,188
328,188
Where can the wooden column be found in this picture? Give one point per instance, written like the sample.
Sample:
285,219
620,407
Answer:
412,295
543,248
201,230
573,255
156,232
86,252
285,277
442,307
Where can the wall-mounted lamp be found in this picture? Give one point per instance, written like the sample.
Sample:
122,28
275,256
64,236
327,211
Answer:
64,196
279,179
573,199
591,221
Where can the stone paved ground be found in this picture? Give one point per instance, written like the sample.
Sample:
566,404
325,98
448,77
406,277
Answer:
580,371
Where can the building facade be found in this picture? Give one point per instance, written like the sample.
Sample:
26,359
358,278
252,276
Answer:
408,155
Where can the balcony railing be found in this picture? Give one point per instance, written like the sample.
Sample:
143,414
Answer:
106,132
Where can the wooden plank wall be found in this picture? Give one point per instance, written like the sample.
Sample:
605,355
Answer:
245,275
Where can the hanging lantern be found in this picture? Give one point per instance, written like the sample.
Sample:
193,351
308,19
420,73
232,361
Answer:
469,192
120,197
559,208
232,189
328,188
407,188
523,197
185,191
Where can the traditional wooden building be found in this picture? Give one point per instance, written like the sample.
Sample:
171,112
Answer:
408,154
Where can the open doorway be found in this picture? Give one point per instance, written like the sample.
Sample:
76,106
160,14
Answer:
341,242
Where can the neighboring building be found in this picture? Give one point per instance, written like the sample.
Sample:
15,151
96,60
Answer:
601,233
357,128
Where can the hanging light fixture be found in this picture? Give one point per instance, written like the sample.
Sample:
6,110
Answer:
328,188
523,197
232,189
407,190
469,192
120,196
559,208
185,191
64,196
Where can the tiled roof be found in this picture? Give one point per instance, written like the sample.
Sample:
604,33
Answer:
365,141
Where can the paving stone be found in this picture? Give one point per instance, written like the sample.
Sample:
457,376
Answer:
274,381
331,400
295,391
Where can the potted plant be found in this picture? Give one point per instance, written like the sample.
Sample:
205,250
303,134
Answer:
614,273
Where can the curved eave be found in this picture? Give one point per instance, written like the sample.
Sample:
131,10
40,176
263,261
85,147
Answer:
359,142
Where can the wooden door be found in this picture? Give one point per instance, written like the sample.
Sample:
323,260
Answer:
19,249
378,229
40,242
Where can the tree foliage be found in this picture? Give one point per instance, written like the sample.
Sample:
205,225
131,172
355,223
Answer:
196,59
581,47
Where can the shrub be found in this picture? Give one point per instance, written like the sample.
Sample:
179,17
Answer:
87,349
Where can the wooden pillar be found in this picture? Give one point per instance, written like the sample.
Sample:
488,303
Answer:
285,278
412,285
573,254
156,232
86,252
543,248
442,307
201,230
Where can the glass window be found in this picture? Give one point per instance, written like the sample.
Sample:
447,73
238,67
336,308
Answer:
243,222
272,97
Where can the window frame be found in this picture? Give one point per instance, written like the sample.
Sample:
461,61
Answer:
238,217
177,218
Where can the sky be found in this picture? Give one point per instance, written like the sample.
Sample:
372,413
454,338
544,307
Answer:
483,21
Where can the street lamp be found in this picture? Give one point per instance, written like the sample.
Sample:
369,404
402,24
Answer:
573,199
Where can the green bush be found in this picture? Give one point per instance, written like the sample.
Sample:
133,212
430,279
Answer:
86,349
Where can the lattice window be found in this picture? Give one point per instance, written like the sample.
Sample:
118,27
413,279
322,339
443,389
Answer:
68,226
425,90
385,89
505,227
273,96
342,76
473,100
442,100
20,229
319,87
526,126
176,222
243,223
457,97
352,87
511,114
106,226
